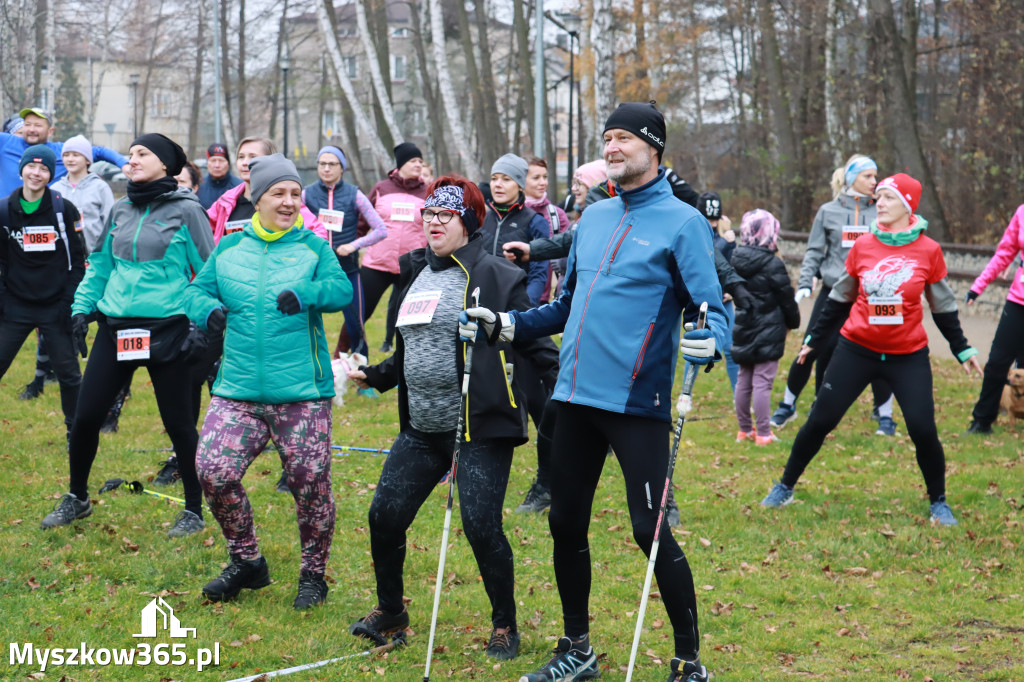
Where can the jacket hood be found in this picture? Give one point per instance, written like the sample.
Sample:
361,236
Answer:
404,183
749,260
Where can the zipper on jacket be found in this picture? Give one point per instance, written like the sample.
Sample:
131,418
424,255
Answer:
640,358
135,238
465,304
508,384
259,316
616,251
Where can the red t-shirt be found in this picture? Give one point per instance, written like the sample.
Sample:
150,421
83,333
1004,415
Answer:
886,317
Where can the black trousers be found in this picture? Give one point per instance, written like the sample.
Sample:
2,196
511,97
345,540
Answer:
582,437
854,367
412,470
1007,347
375,283
104,379
53,322
821,356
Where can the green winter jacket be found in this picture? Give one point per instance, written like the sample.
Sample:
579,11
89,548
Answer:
270,357
147,256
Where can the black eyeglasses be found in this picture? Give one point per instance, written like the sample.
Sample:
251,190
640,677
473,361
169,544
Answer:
443,217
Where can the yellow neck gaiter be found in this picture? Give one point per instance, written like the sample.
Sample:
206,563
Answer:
269,236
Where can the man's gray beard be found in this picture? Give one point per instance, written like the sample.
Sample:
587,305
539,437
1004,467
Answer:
633,170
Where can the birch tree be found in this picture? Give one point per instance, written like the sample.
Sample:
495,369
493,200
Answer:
379,87
603,43
458,139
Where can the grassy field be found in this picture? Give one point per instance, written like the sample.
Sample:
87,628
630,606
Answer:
850,582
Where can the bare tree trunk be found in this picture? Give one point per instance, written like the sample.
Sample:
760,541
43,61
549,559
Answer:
444,78
831,113
603,42
225,71
911,20
154,39
435,114
197,82
698,103
391,134
493,144
476,93
782,123
640,49
902,121
39,28
367,133
275,88
525,70
243,87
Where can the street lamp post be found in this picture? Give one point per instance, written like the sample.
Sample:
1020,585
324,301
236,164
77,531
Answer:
285,64
571,25
133,81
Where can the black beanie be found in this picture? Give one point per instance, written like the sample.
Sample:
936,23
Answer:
406,152
710,205
643,120
167,150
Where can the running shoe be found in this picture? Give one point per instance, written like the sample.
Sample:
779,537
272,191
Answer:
240,574
671,510
783,415
504,644
886,427
282,484
67,510
187,523
742,436
978,426
941,514
538,498
312,591
49,377
168,473
385,347
687,671
377,624
33,390
779,496
766,440
571,661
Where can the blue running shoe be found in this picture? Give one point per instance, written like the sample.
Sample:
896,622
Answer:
941,513
572,661
886,427
783,415
779,496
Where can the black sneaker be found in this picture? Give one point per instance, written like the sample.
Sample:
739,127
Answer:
377,624
251,575
687,671
385,347
572,661
979,427
50,377
671,510
312,591
67,510
168,473
33,390
282,484
538,498
504,644
187,523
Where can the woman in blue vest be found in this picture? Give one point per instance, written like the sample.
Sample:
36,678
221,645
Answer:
338,205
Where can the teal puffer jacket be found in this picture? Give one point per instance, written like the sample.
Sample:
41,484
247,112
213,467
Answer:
270,357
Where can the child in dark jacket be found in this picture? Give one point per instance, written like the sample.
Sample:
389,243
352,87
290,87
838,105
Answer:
759,333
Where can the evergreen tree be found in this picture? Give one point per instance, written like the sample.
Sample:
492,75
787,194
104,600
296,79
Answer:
70,106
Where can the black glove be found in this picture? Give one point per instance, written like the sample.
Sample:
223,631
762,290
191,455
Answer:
741,298
79,328
195,344
288,302
971,296
217,320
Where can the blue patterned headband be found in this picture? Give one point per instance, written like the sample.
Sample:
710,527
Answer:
452,198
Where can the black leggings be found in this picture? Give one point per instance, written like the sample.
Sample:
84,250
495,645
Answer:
416,463
855,366
582,437
821,356
375,283
104,378
63,358
1007,346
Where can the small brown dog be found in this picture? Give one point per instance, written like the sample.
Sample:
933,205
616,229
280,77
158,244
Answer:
1013,395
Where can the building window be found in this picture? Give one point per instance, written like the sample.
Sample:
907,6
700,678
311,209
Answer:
398,66
330,128
402,32
160,104
351,68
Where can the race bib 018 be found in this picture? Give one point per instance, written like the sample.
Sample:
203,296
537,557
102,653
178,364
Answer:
852,233
39,238
418,308
133,344
332,220
885,310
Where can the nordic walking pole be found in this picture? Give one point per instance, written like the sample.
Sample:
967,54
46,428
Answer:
685,403
136,488
398,640
463,406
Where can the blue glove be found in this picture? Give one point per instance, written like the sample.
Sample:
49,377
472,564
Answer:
698,346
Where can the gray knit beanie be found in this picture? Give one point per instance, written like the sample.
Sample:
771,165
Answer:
267,171
513,166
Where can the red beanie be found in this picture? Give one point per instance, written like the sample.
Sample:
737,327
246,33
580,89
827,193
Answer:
906,188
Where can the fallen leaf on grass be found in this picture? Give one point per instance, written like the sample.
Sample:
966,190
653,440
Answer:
855,570
773,554
705,542
843,632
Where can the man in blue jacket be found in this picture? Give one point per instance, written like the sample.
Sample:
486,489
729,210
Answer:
640,262
37,129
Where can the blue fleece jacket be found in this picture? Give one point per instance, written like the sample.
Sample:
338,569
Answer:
639,263
12,147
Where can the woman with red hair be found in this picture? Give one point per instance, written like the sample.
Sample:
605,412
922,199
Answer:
435,285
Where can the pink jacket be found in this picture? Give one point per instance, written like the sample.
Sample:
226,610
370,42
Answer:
399,203
1010,246
223,207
